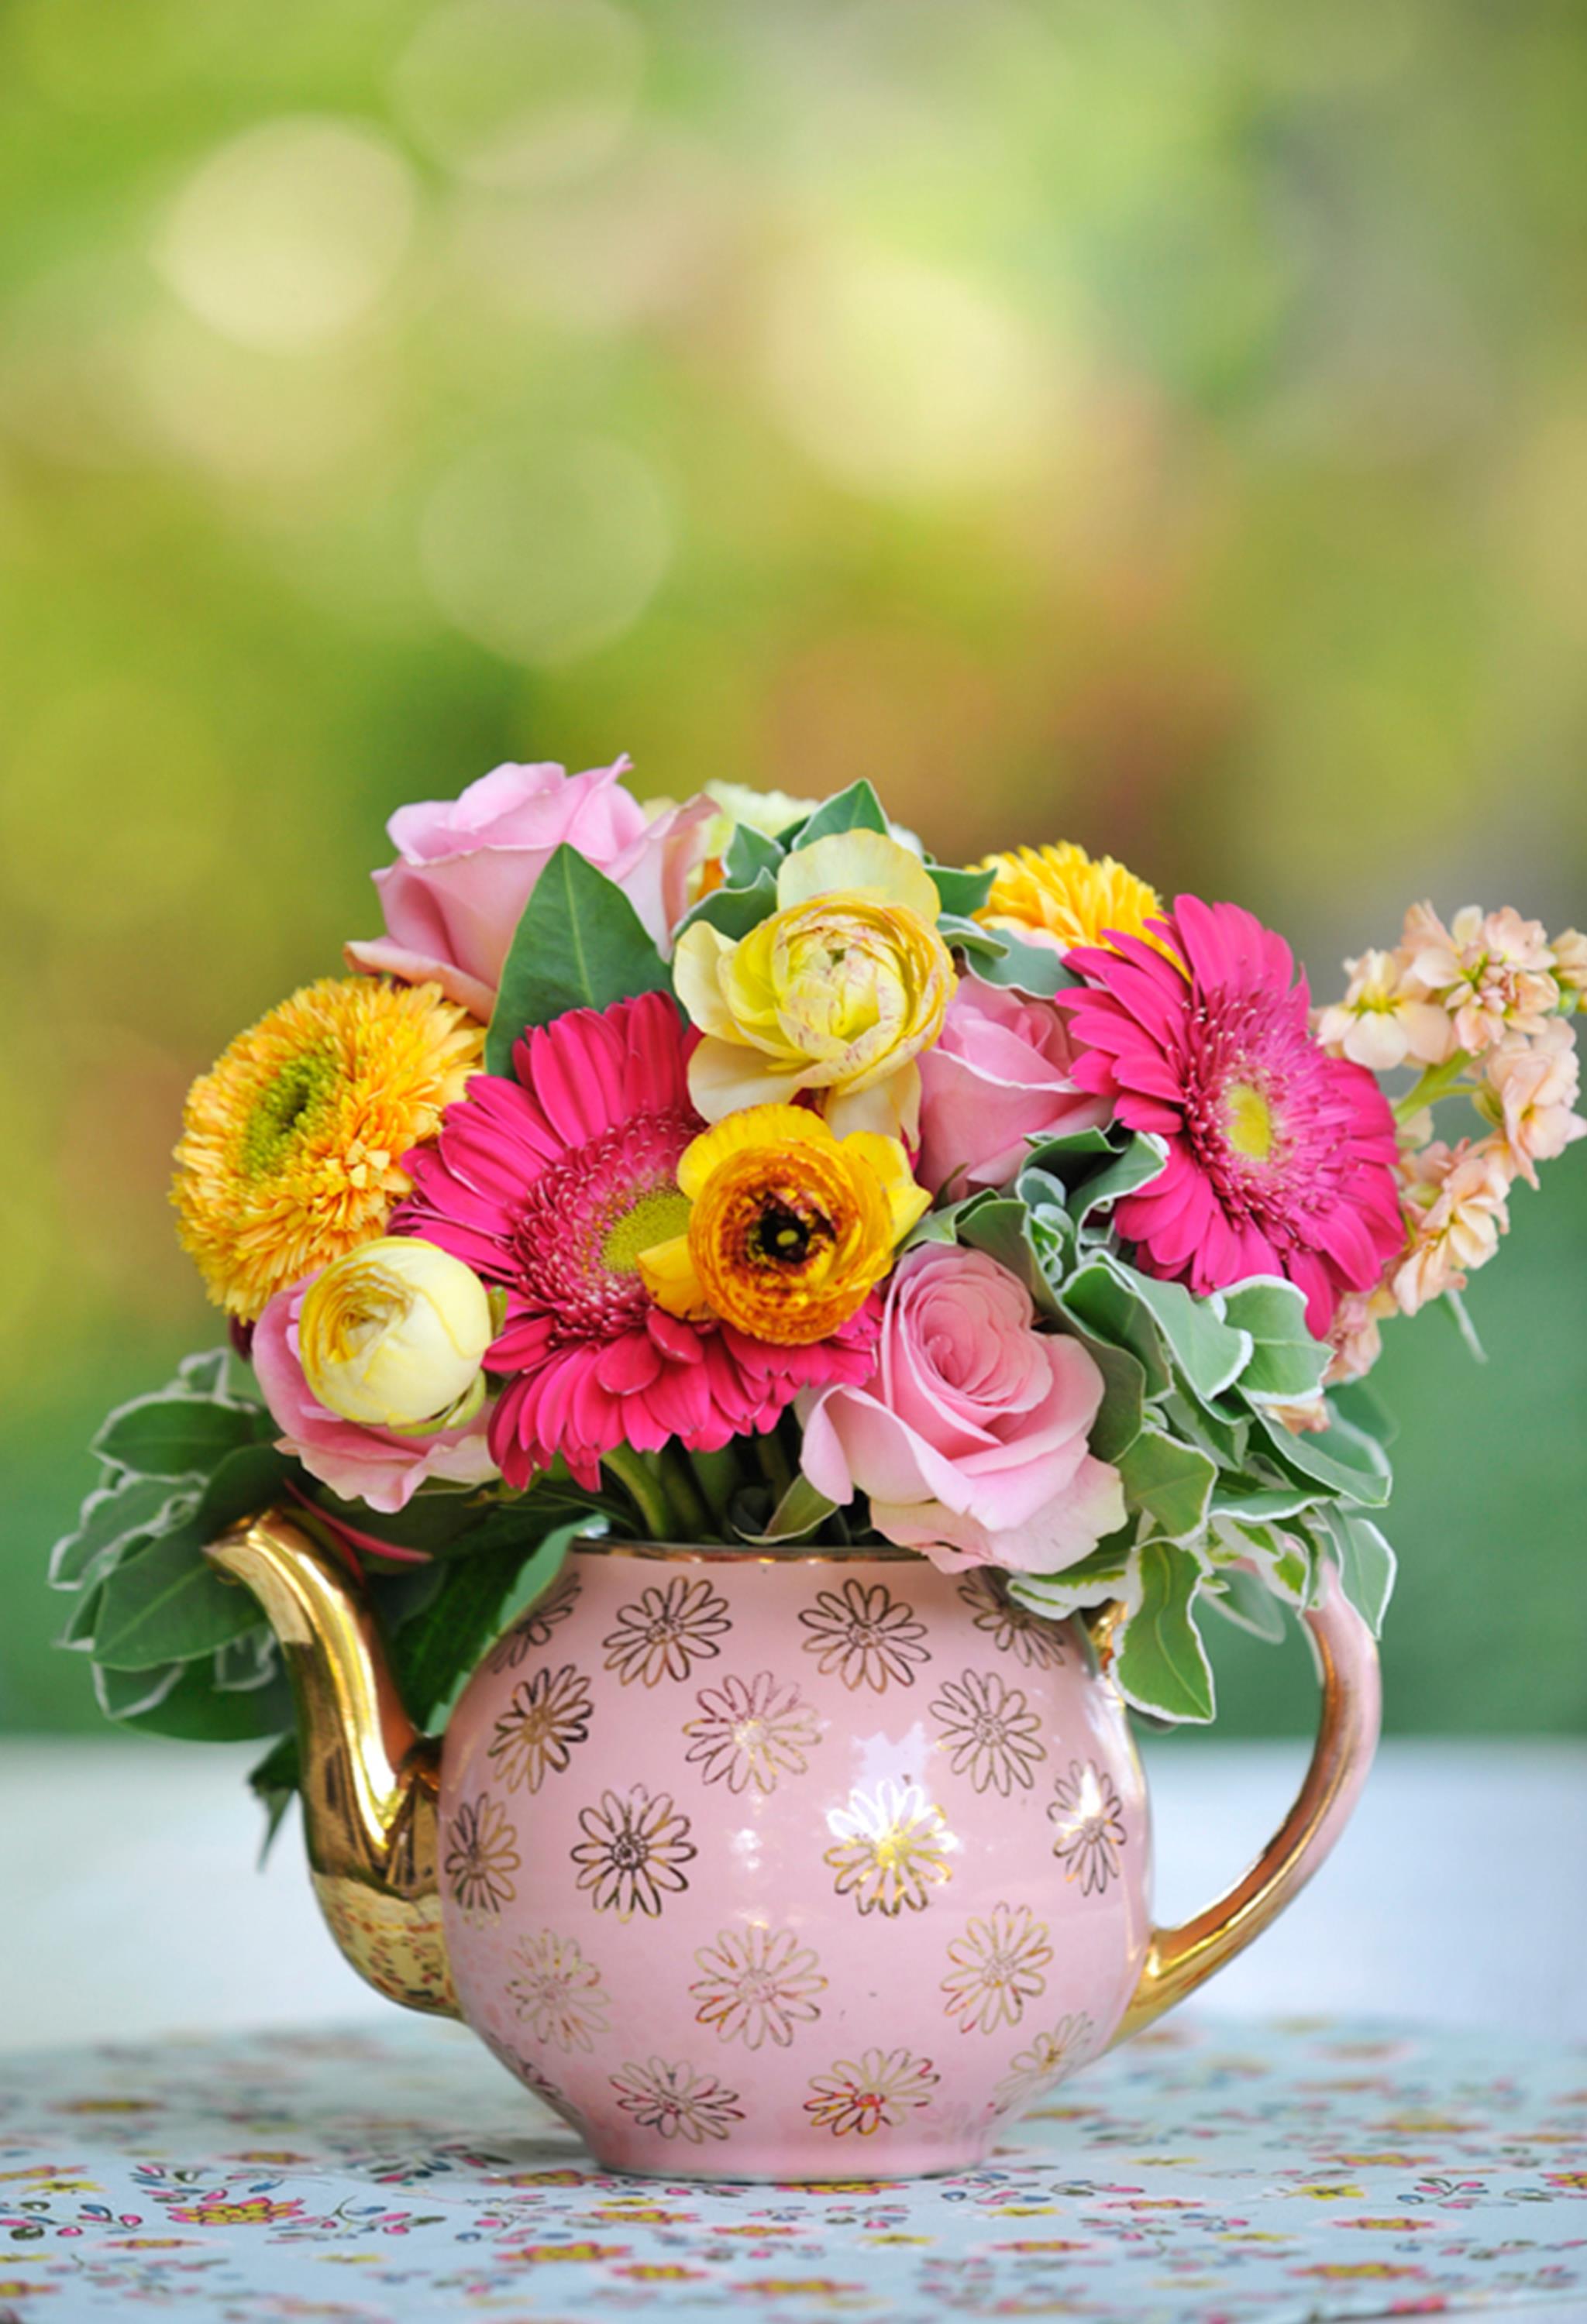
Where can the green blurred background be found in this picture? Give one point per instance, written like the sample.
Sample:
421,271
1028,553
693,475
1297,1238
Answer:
1162,425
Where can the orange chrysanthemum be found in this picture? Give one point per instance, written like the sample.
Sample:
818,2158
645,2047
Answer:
292,1145
1058,895
790,1227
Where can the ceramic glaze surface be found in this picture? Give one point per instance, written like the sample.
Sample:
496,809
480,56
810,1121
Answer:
802,1868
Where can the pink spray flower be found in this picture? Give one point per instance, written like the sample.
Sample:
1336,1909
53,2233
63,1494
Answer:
467,867
970,1435
551,1185
378,1466
1281,1160
1491,972
1457,1205
1000,1075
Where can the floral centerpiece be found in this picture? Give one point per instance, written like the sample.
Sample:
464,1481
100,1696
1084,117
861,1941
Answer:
736,1174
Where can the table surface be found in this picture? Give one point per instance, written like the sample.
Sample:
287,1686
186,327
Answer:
1211,2173
1458,1895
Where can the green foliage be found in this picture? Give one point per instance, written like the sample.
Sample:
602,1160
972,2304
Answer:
580,945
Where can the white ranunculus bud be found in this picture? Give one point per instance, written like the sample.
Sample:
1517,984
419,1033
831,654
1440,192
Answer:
393,1335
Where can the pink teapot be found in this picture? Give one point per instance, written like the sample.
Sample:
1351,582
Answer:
805,1867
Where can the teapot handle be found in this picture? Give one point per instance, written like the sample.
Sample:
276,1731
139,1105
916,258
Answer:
1179,1959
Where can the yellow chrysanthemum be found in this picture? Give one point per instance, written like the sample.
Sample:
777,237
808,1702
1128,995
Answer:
1059,896
789,1227
292,1145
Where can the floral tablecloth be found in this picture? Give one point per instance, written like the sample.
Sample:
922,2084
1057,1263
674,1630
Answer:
1214,2171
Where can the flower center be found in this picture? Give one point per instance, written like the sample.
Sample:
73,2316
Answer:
586,1217
1248,1121
285,1107
659,1213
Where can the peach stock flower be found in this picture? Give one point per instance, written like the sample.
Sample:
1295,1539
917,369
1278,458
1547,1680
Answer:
1457,1199
1383,1020
1533,1085
1490,971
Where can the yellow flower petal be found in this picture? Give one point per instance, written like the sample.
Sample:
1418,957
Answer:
668,1274
890,1107
756,1125
697,976
887,1157
861,863
725,1077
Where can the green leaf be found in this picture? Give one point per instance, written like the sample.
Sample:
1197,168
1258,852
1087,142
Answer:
733,912
78,1638
1090,1581
182,1700
1210,1426
1287,1364
749,853
1168,1483
1286,1561
1366,1565
170,1435
800,1512
580,945
1249,1504
963,893
1099,1300
1143,1159
1210,1354
1360,1405
1245,1600
1034,970
111,1520
274,1781
1353,1466
1161,1663
1070,1156
977,942
166,1605
434,1654
858,808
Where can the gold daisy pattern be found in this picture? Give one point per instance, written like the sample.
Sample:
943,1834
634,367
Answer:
556,1992
866,1635
1012,1628
1047,2059
875,2091
989,1731
757,1985
1088,1826
996,1967
482,1856
633,1852
892,1848
676,2101
667,1631
538,1627
750,1732
536,1734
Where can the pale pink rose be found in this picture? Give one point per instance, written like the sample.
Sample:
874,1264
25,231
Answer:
1457,1205
1491,972
467,867
1536,1084
999,1076
1382,1021
970,1435
373,1465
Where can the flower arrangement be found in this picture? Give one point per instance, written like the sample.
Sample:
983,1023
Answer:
736,1174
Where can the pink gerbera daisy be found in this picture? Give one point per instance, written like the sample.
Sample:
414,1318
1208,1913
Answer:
551,1185
1280,1159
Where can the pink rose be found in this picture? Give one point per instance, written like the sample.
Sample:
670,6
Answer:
970,1435
999,1076
373,1465
467,867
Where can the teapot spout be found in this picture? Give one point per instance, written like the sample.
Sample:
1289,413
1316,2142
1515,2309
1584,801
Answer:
369,1778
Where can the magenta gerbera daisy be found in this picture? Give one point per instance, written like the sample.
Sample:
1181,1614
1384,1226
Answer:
1280,1159
551,1185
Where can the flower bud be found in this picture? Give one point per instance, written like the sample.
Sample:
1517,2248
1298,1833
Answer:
393,1335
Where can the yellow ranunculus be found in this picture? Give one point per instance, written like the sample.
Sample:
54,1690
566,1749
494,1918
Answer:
838,991
790,1226
393,1336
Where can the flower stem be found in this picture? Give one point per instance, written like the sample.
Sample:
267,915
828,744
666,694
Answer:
774,1466
717,1477
684,1489
645,1490
1438,1083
